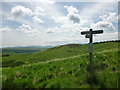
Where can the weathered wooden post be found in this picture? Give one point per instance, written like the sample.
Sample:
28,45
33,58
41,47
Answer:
89,34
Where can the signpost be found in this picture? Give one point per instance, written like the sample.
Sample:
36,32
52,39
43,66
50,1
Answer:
89,34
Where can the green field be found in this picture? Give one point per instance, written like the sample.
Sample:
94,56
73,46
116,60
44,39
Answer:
66,66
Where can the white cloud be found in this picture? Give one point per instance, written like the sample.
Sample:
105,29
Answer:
68,29
39,11
111,17
39,20
74,22
98,8
5,29
21,20
89,13
60,19
71,17
106,36
71,9
68,26
106,26
47,1
28,30
106,23
59,1
21,11
73,14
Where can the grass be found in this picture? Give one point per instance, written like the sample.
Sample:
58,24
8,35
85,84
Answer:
64,73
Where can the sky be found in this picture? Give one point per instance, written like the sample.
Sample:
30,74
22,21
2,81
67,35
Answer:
48,22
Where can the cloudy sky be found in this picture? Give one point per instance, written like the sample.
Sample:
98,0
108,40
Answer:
49,22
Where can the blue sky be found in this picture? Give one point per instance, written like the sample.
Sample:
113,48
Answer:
56,23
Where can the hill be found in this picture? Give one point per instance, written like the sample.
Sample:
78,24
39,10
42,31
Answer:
63,51
64,66
25,49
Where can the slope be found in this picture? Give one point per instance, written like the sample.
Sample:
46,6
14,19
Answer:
67,72
63,51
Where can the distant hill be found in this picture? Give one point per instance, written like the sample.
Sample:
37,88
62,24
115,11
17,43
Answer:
24,49
67,45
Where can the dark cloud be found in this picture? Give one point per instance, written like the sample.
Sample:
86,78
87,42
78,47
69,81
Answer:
104,25
49,32
74,18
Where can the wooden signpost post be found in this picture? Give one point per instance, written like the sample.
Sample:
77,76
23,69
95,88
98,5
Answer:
89,34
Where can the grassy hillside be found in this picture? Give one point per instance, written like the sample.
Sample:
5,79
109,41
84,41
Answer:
64,51
65,66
